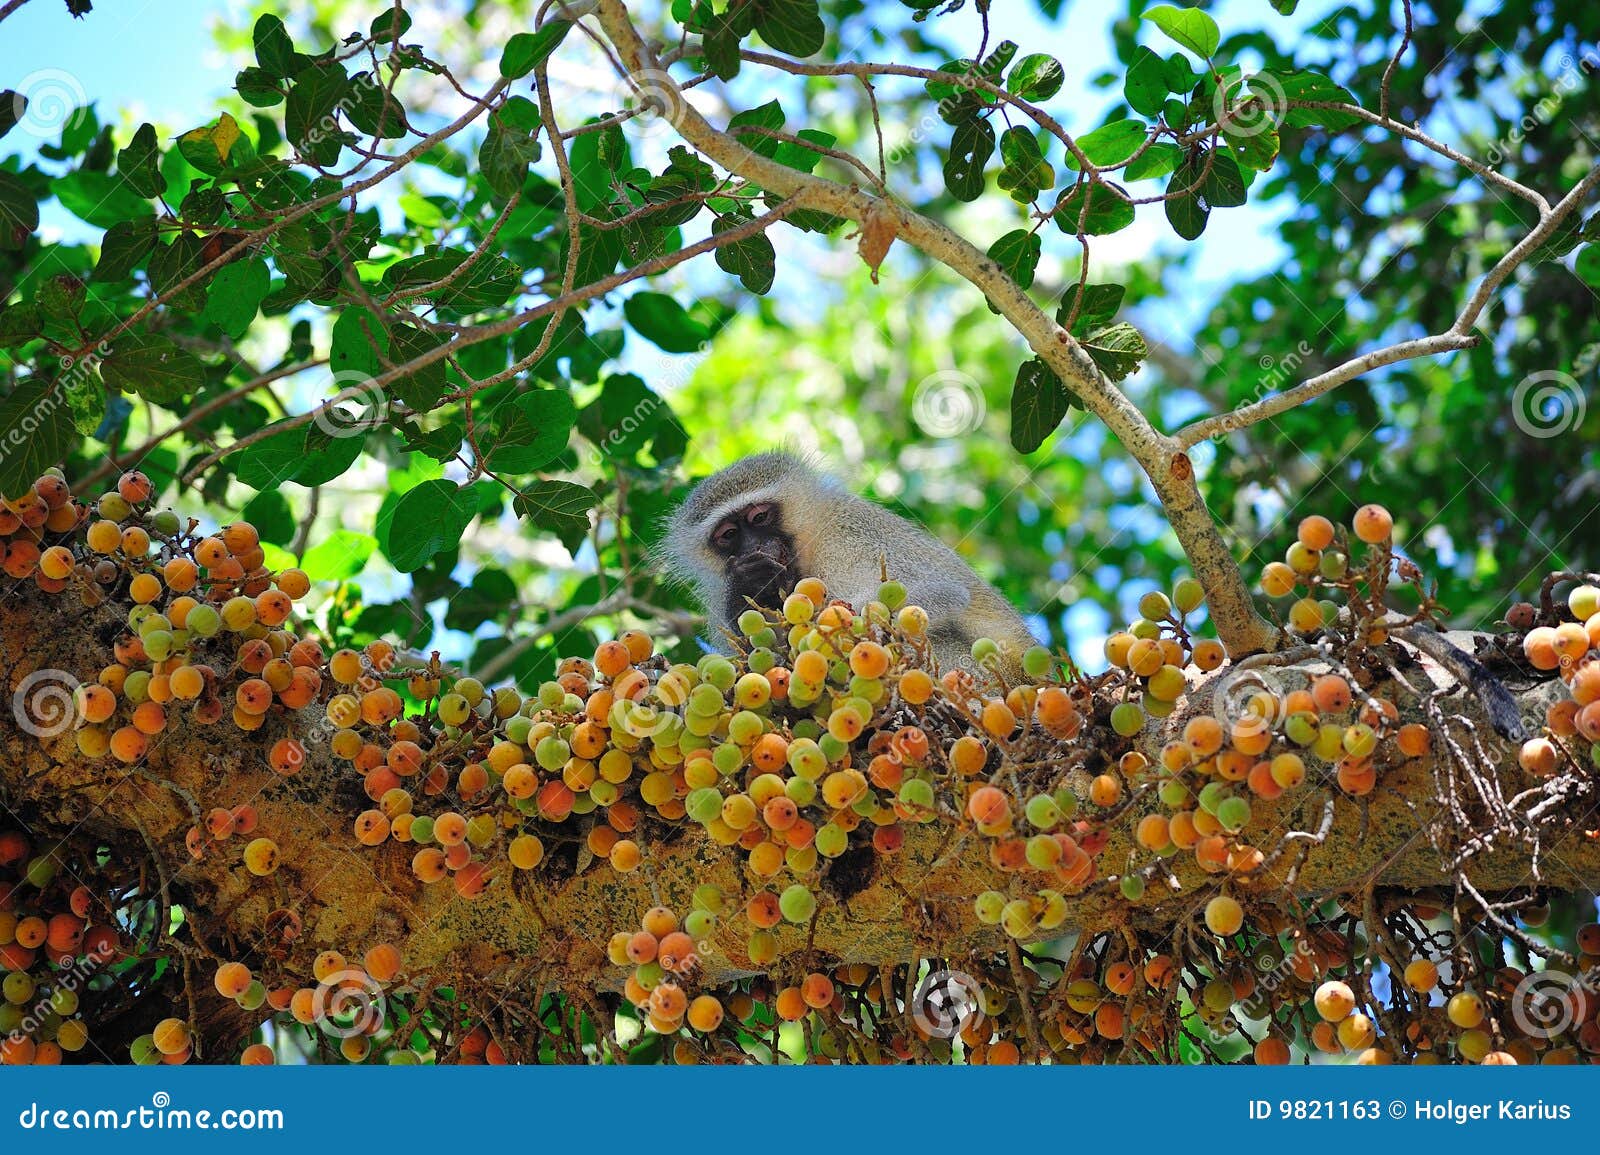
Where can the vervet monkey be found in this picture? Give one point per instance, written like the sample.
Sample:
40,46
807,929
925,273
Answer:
747,534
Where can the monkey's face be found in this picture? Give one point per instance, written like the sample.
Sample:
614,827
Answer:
758,557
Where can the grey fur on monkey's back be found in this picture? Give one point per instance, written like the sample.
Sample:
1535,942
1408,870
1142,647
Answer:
846,541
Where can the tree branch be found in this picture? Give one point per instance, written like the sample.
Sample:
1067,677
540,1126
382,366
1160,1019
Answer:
1239,623
1458,336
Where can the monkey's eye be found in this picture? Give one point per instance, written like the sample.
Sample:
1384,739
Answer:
759,514
723,536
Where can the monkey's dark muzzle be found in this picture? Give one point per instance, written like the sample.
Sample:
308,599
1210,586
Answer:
761,577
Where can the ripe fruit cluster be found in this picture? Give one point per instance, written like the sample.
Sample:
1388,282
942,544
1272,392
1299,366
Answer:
55,942
345,1001
812,755
1569,648
1318,562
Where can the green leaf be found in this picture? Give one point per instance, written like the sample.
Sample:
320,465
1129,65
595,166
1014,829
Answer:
339,556
1117,349
19,211
152,367
209,147
480,602
1587,265
798,157
274,50
19,324
1024,172
305,455
661,320
390,24
1145,86
440,443
374,110
311,120
1035,77
720,45
139,163
1281,88
99,198
1106,212
427,520
1186,206
1223,187
1112,143
1190,27
1186,213
768,116
1018,254
530,430
36,429
562,507
13,107
1254,138
508,148
1159,159
753,260
486,599
623,419
86,397
525,51
357,345
1100,304
234,295
792,26
269,512
971,145
421,388
1038,403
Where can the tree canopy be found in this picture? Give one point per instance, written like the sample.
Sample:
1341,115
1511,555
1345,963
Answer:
427,323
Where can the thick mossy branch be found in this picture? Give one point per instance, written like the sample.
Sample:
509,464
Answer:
551,925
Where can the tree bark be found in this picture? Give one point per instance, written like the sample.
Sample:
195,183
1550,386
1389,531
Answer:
549,927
